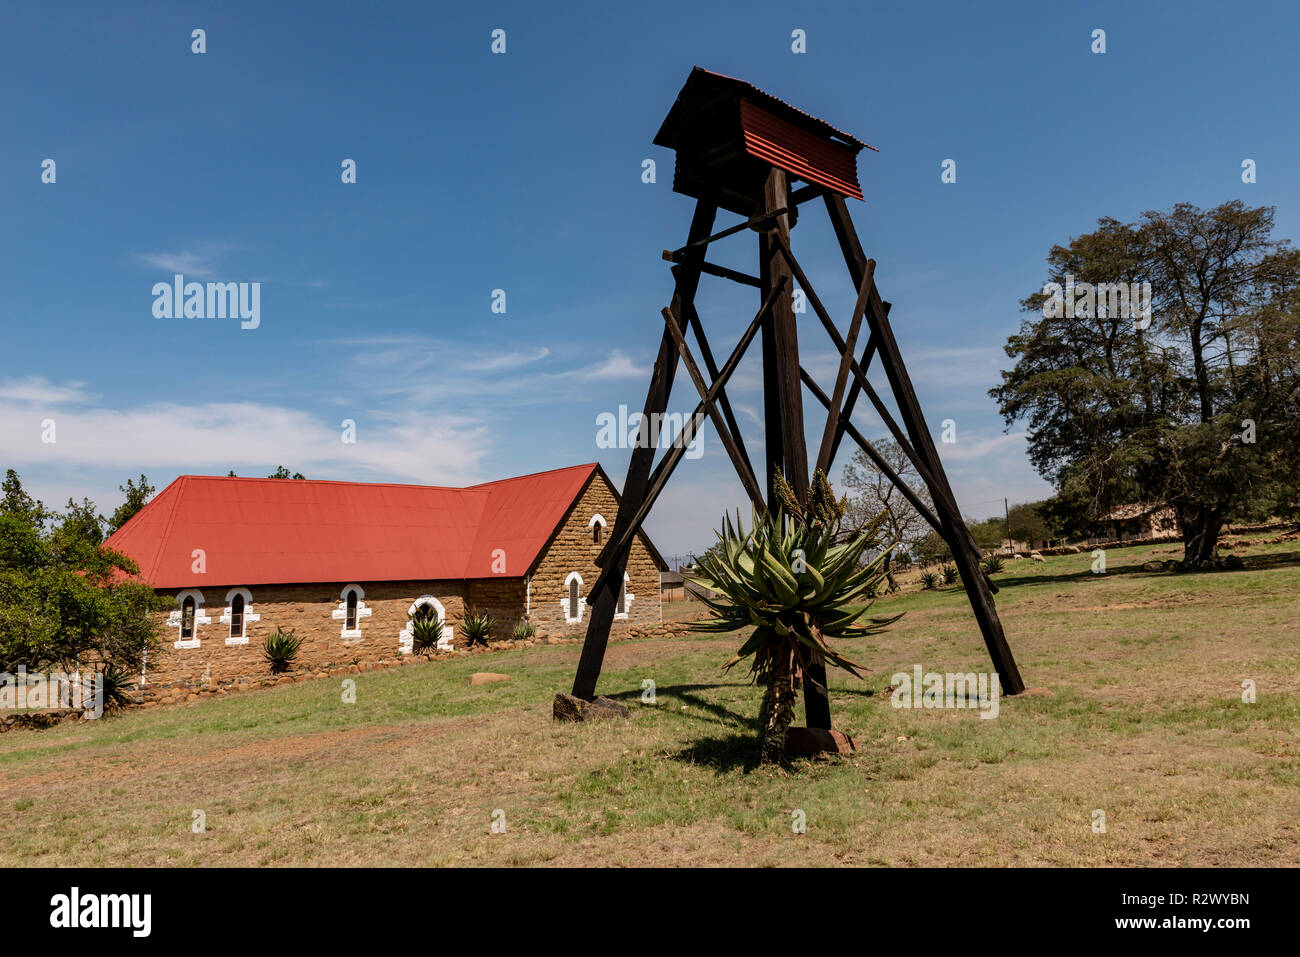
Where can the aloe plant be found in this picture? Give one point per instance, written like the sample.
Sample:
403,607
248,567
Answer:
949,573
477,629
280,650
797,582
929,581
426,632
993,564
524,630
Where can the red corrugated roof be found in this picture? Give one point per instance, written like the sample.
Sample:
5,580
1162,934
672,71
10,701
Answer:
813,158
281,531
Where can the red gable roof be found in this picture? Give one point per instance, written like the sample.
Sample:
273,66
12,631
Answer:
282,531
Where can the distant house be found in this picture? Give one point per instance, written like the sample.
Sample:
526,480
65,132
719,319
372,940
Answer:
1135,521
672,586
346,565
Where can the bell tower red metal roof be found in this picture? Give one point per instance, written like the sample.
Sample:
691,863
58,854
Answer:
727,132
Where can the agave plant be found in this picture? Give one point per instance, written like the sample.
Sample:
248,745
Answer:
797,582
524,630
993,564
477,629
280,650
118,685
949,573
929,581
426,632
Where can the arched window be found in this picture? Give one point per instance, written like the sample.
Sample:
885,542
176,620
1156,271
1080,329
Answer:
187,617
595,533
237,616
622,599
597,524
350,619
571,600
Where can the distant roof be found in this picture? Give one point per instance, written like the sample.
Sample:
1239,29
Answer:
279,531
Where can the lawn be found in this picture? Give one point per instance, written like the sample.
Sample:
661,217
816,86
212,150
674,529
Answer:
1136,711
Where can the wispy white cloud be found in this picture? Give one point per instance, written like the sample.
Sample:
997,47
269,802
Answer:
199,261
213,437
37,390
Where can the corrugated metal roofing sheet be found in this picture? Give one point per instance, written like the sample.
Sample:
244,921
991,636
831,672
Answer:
813,158
280,531
700,78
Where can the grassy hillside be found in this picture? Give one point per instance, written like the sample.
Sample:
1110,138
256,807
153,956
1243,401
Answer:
1140,715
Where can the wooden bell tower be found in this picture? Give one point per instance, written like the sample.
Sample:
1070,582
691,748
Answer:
742,150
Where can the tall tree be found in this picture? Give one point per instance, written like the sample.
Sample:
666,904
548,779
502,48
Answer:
1193,403
137,496
871,494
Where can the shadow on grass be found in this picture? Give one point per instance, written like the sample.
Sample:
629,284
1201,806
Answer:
684,693
732,752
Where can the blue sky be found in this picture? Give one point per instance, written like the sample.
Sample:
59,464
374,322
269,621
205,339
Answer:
522,172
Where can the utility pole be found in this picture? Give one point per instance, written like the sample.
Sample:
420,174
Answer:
1007,509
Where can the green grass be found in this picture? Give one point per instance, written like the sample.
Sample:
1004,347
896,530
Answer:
1144,720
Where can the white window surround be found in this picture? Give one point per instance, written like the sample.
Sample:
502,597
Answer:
174,619
564,601
226,616
598,519
627,600
406,641
341,612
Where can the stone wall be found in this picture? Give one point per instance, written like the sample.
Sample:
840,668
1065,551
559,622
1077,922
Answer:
574,550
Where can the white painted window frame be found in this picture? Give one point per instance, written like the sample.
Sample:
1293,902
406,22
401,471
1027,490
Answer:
229,614
564,600
627,600
174,619
406,640
599,519
341,611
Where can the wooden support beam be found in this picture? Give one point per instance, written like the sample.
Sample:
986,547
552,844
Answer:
877,459
965,552
842,377
722,272
787,451
706,399
639,465
805,193
859,376
868,351
711,366
621,539
751,223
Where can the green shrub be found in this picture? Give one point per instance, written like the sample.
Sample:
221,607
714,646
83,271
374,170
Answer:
280,650
477,629
993,564
949,573
524,630
929,581
426,632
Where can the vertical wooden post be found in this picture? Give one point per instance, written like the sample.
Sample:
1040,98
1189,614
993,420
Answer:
641,461
783,399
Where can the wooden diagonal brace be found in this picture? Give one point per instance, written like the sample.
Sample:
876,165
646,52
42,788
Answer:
842,377
724,433
622,537
877,459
